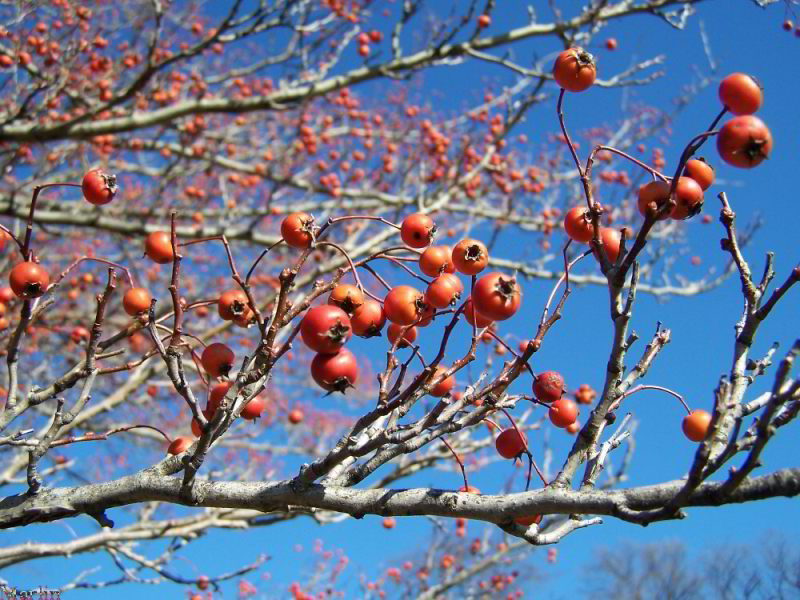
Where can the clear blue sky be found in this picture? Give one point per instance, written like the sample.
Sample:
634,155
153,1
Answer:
742,38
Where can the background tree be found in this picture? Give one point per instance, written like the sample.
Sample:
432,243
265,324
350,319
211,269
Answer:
283,167
666,571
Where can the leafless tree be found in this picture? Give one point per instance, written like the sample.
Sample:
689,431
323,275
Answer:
216,129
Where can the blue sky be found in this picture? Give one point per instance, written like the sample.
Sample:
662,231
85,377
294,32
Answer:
742,38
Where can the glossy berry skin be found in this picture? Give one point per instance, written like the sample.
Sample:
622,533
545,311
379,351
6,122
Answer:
347,297
470,256
335,372
99,187
232,304
695,425
497,296
136,301
215,397
700,171
368,319
296,230
158,247
444,387
510,444
575,70
577,226
740,94
655,192
484,21
611,239
473,317
417,230
394,331
563,412
436,260
326,329
444,291
197,431
217,359
549,386
744,142
79,334
179,445
253,409
28,280
295,416
403,304
688,198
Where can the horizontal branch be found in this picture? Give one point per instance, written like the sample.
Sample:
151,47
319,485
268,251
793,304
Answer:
94,499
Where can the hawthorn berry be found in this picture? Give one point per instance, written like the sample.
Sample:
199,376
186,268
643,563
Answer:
563,412
695,425
136,301
744,142
347,297
578,225
99,187
403,304
179,445
699,170
253,409
393,333
232,304
497,296
585,394
436,260
335,372
444,387
297,230
28,280
575,70
548,386
741,94
217,359
510,443
368,319
158,247
325,329
470,256
417,230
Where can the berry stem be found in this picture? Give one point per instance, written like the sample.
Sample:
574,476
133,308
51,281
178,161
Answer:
458,460
334,220
566,135
625,155
564,277
26,247
639,388
525,446
349,261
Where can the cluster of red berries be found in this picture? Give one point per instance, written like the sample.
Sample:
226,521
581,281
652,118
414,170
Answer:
744,141
364,40
326,328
